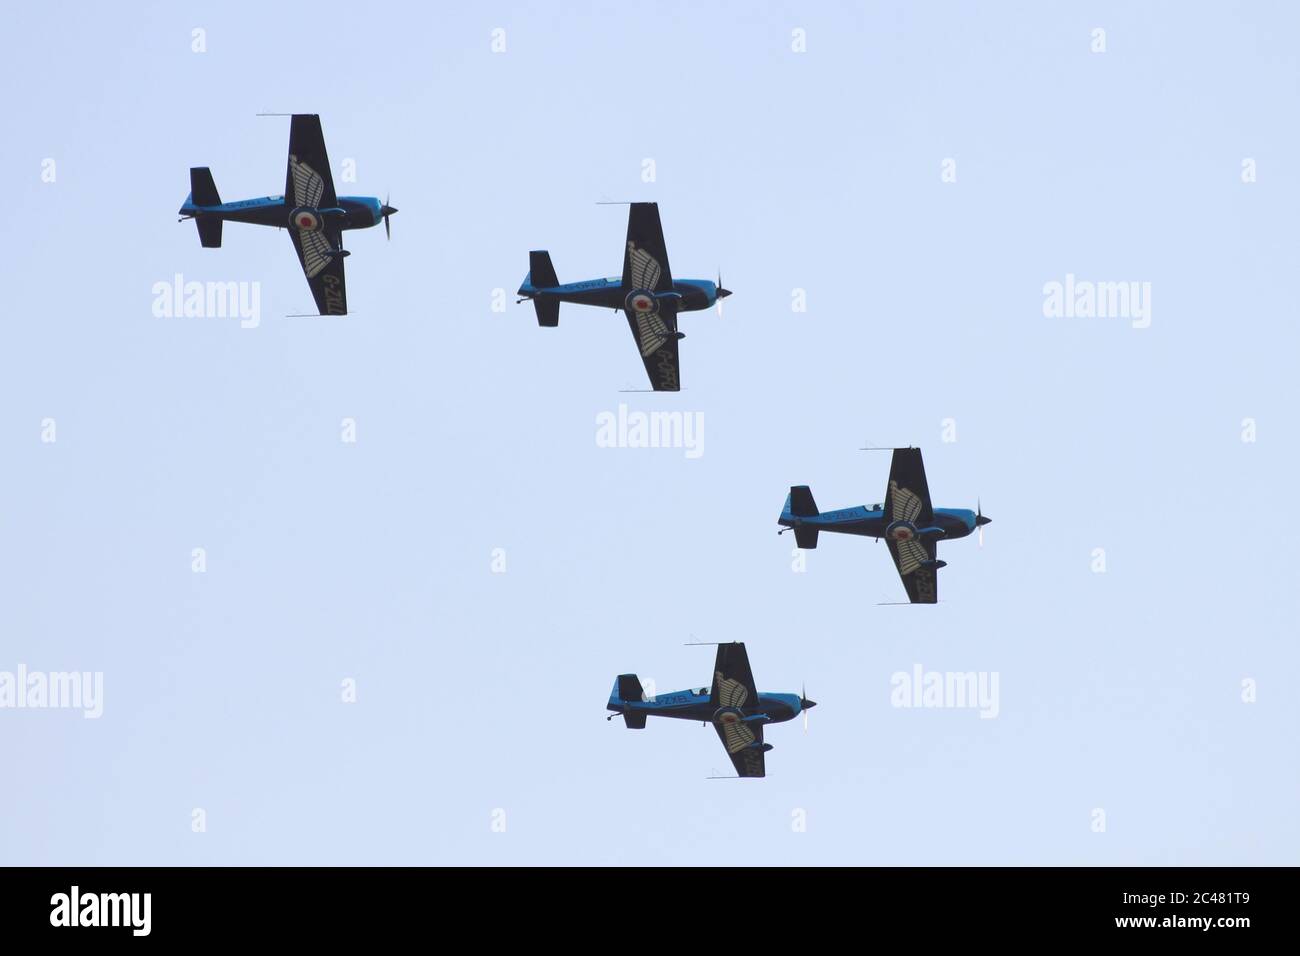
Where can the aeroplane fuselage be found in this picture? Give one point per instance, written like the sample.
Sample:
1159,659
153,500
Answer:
351,212
948,523
696,705
691,295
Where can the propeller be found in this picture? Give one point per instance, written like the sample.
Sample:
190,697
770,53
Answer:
980,521
805,705
721,293
386,211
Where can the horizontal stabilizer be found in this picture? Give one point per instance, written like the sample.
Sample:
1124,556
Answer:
805,538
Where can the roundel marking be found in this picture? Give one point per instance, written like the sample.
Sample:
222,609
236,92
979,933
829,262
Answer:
641,301
901,531
305,219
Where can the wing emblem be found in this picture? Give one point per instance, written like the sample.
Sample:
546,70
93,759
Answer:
308,185
906,505
645,269
317,252
731,693
651,329
736,735
911,555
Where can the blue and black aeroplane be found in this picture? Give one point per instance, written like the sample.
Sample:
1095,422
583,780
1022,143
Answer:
910,525
309,209
646,292
734,707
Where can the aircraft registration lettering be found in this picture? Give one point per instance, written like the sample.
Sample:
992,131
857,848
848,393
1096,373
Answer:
673,699
668,371
333,297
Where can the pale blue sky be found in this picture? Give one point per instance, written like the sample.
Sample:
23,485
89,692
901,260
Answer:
476,430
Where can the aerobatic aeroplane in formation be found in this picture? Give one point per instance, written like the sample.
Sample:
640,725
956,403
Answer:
315,217
910,525
646,292
734,707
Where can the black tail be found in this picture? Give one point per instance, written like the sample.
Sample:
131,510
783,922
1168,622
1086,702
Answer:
541,275
203,192
629,690
801,505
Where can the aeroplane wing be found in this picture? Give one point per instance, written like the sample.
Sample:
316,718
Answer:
653,320
922,583
654,327
324,270
744,743
308,181
908,495
733,690
645,260
733,683
908,499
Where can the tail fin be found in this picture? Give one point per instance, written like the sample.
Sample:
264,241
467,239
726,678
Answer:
800,504
203,191
541,275
629,688
540,271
